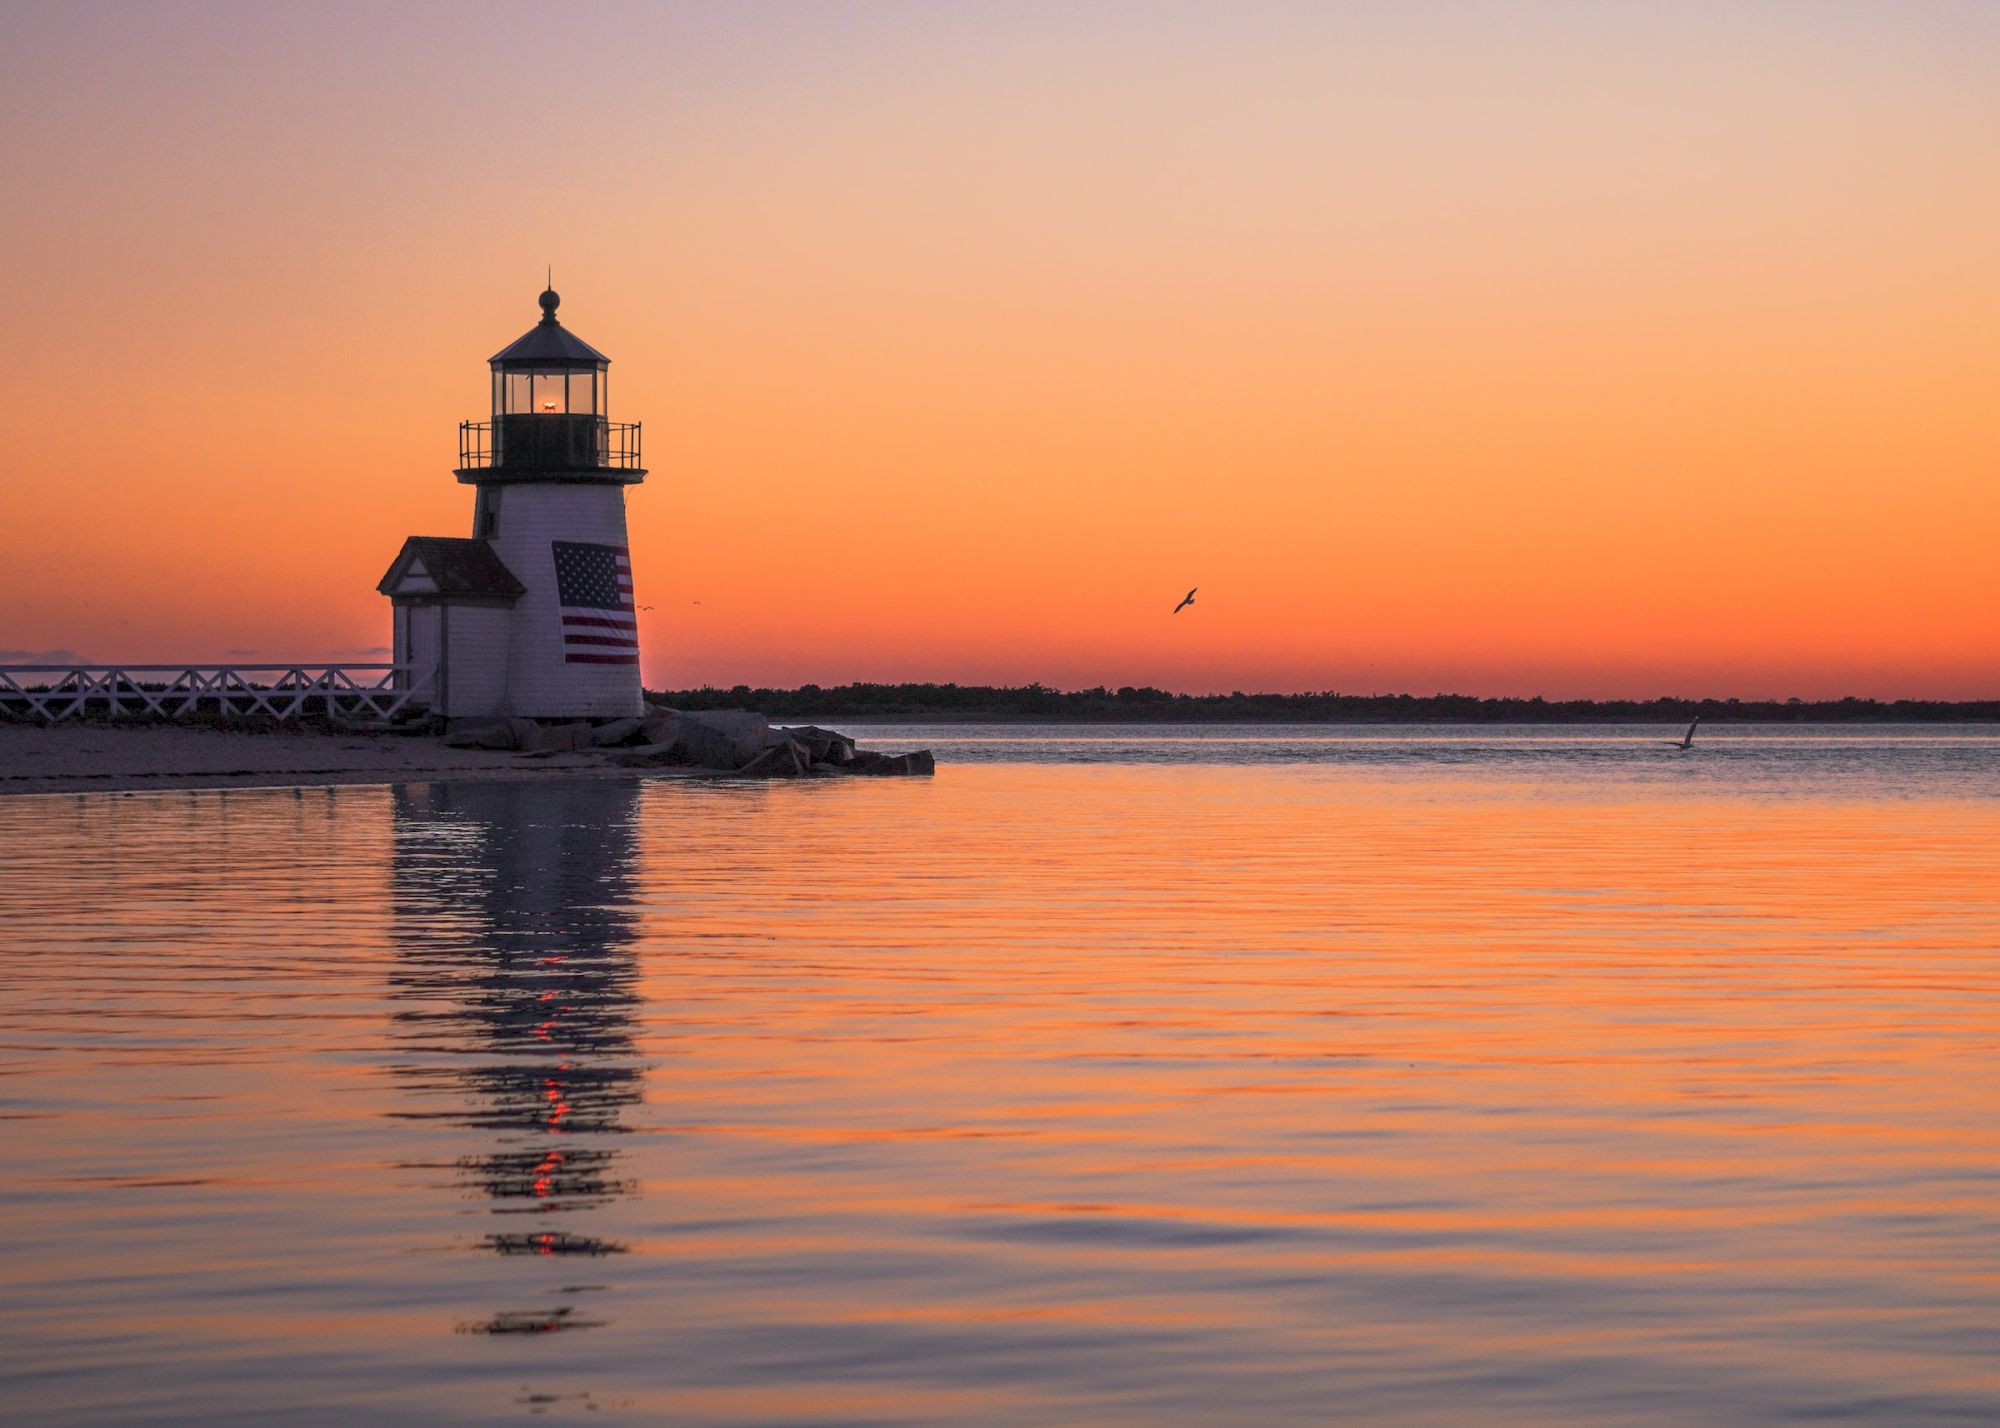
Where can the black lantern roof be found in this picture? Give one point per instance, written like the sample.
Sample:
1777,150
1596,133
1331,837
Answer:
547,342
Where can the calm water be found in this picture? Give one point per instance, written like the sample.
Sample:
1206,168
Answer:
1168,1076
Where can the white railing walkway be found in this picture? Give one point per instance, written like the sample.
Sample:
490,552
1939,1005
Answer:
51,692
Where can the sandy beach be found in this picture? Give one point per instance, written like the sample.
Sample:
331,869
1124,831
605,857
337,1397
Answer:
76,758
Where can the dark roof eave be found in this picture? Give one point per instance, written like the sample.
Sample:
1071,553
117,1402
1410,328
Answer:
458,566
550,342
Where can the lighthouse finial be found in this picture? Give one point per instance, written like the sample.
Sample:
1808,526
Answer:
550,298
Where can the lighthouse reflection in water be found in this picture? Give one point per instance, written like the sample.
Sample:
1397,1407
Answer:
515,988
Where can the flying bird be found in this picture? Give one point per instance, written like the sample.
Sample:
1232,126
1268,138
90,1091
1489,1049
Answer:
645,607
1186,600
1687,739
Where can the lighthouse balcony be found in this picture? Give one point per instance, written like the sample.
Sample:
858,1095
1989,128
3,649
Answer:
539,446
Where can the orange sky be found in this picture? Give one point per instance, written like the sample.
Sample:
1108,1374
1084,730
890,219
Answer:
1496,348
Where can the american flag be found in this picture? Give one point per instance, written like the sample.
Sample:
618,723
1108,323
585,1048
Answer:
594,588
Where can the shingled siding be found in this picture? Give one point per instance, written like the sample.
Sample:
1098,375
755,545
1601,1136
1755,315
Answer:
476,679
529,518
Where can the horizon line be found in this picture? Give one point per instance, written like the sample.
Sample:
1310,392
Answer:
1142,691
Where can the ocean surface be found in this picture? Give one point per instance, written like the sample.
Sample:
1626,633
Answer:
1230,1074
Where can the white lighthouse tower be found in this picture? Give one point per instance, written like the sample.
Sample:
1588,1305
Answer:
532,615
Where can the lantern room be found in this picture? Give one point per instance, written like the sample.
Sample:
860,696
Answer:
550,413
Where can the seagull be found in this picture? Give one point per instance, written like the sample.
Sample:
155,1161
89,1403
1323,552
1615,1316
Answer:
1687,740
1186,600
645,607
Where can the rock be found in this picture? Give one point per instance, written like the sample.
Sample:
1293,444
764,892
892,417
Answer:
615,733
705,746
817,750
738,739
824,746
552,738
746,732
698,749
781,760
708,749
480,736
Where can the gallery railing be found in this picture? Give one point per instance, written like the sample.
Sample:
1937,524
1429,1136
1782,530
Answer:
48,693
532,441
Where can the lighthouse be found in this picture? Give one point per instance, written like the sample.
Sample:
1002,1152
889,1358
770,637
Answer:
531,615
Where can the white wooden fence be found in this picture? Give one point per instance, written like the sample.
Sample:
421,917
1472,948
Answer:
46,693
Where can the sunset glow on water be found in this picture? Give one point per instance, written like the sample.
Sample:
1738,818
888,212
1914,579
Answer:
1574,1085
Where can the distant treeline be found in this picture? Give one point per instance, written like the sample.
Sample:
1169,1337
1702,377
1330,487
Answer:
1036,701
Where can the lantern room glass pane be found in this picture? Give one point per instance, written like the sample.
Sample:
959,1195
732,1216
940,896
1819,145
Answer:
550,393
582,392
518,393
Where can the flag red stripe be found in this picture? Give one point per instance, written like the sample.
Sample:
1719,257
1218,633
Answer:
604,620
629,642
577,658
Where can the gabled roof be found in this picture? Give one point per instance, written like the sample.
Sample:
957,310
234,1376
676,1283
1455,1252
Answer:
456,566
548,341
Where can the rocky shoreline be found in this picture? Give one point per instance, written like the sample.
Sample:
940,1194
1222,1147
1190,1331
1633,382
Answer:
131,755
722,741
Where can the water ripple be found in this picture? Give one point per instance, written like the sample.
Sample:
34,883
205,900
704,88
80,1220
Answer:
1122,1077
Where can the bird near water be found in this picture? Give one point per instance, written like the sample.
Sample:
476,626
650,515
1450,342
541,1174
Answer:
1186,600
1687,739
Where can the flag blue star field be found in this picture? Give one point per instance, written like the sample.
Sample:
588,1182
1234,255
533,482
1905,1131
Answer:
594,588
